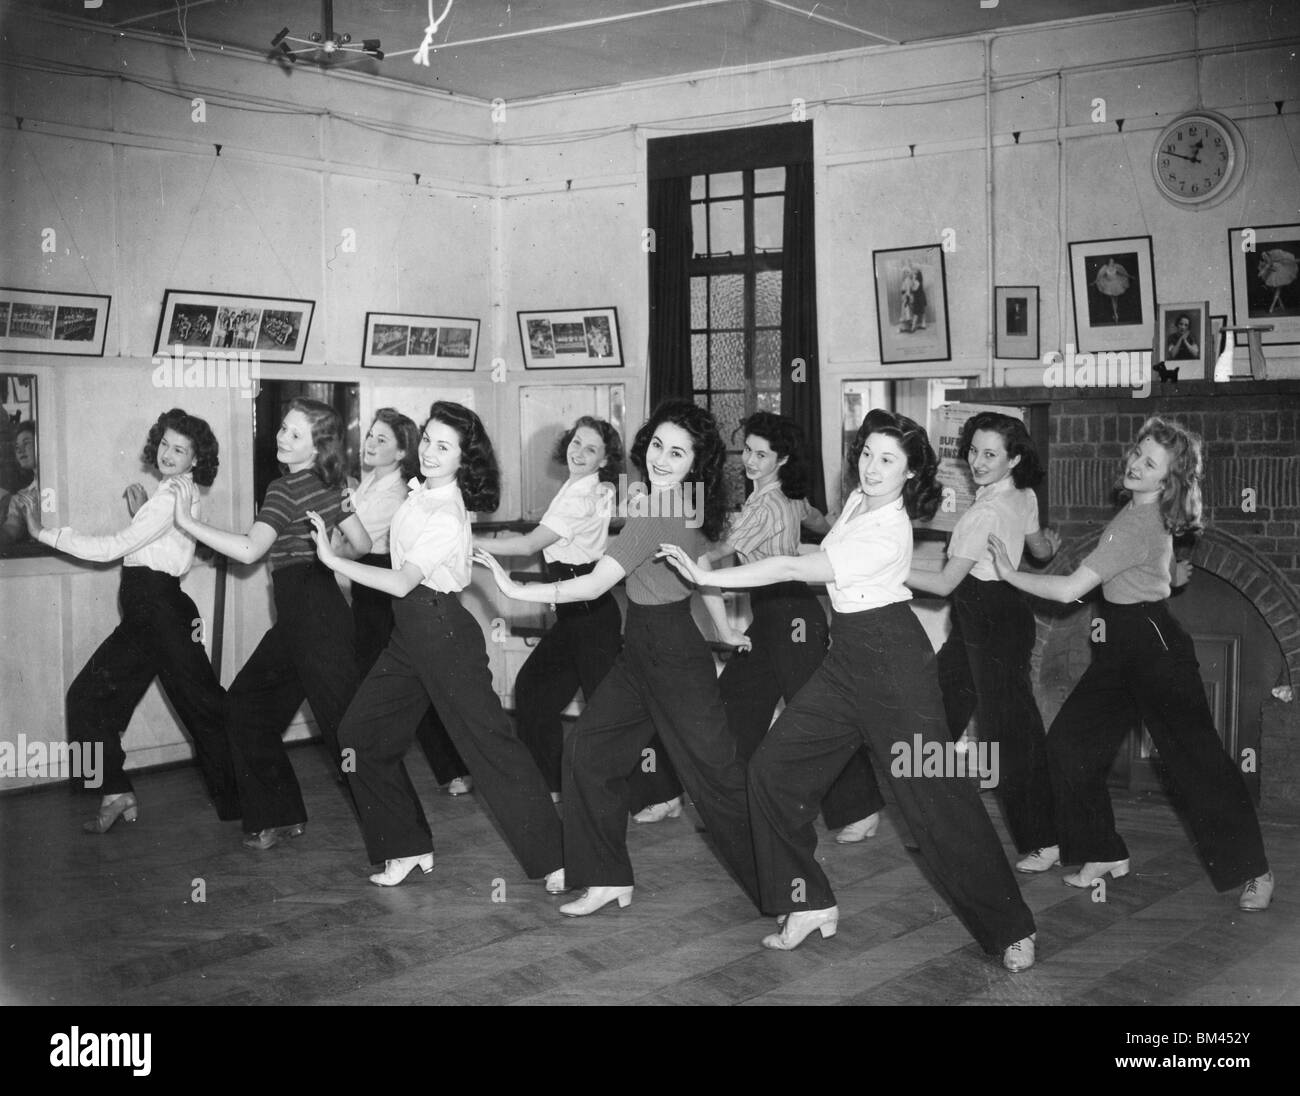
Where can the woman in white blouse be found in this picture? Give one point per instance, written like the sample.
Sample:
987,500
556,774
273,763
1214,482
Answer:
161,633
877,685
437,654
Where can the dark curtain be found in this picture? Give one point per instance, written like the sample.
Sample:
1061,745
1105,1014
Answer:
801,399
670,290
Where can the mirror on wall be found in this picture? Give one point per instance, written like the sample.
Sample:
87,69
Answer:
273,401
19,463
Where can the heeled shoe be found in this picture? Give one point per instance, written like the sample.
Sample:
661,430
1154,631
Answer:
859,830
462,785
271,836
111,808
397,870
1094,870
555,882
1020,955
598,898
799,925
1257,894
1040,860
657,812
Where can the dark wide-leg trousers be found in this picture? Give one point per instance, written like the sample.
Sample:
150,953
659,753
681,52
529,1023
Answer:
984,668
664,682
159,636
790,636
308,654
878,686
1146,672
372,615
436,654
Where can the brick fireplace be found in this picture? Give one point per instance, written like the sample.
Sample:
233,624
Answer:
1245,610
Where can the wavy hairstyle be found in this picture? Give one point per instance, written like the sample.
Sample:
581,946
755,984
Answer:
327,436
1015,440
25,475
479,477
709,456
407,435
786,439
921,492
1180,498
613,447
199,433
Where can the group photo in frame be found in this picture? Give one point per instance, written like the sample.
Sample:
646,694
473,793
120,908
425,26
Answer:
1016,314
574,339
1113,285
35,321
911,304
275,328
399,340
1265,290
1184,340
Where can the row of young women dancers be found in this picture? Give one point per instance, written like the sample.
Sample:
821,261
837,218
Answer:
654,691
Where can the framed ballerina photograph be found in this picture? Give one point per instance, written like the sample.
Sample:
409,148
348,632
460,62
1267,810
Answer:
911,304
1264,261
1113,284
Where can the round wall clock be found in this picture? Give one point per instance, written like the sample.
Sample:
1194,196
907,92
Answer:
1199,159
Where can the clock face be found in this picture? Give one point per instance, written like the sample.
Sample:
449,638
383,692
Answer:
1198,159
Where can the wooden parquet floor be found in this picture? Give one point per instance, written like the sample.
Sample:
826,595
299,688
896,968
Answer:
114,920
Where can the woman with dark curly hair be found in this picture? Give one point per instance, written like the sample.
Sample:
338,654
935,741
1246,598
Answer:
309,652
664,679
1145,671
158,636
437,654
579,650
13,524
984,665
876,685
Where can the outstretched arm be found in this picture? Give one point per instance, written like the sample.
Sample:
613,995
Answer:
1063,588
521,544
814,567
604,577
943,583
397,583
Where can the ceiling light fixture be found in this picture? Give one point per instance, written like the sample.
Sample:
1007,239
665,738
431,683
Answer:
325,46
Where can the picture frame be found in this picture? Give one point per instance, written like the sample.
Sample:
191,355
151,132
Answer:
1016,311
402,340
1184,339
1218,321
1265,285
274,328
579,338
1113,284
904,276
34,321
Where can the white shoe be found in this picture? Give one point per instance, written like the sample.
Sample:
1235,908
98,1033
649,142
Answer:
598,898
1094,870
1040,860
1020,955
797,927
1257,894
859,830
555,797
659,811
555,882
397,870
462,785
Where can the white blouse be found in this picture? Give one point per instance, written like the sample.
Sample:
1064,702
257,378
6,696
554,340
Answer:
1002,508
579,515
870,553
432,530
376,500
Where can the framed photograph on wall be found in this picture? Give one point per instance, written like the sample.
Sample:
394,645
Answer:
1265,288
582,338
1015,333
396,340
36,322
911,304
273,327
1217,324
1114,287
1184,339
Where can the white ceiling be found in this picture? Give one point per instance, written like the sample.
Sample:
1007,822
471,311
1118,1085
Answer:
517,49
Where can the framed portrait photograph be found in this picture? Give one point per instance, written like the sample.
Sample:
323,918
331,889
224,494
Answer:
911,304
36,322
396,340
1184,339
1113,284
1263,264
583,338
273,327
1015,333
